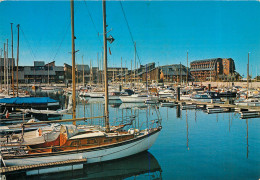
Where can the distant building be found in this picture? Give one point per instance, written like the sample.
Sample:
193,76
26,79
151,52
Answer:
141,72
8,64
38,73
117,73
43,73
212,69
174,73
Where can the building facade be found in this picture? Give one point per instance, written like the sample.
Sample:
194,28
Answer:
175,73
38,73
212,69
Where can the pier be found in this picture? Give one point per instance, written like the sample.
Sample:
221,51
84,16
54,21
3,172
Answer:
72,164
245,111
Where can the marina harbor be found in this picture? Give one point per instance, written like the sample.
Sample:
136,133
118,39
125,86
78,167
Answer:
129,90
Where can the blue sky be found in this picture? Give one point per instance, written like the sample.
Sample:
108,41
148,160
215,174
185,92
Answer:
163,30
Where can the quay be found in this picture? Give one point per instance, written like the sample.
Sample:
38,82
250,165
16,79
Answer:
72,164
245,111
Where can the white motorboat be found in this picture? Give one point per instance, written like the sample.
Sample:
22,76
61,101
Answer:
114,95
185,97
248,102
166,93
167,104
134,98
96,94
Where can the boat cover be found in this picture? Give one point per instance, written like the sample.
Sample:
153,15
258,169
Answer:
28,100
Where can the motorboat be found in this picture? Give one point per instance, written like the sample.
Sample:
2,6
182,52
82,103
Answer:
134,98
206,97
248,102
166,93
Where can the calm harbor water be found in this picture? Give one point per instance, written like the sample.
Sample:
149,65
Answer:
191,145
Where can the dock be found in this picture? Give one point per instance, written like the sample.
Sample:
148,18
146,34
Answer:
210,108
72,164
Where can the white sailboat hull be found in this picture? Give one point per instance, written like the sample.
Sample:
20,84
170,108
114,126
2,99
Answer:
96,95
129,99
93,156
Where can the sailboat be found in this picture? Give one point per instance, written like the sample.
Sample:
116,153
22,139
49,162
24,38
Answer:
95,144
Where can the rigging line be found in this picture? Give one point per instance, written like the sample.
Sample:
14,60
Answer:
129,30
28,44
62,41
93,23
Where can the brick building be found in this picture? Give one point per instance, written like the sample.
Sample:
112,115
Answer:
174,73
212,69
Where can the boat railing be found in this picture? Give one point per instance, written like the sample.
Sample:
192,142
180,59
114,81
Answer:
126,120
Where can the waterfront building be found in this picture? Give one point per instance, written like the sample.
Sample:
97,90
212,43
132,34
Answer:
8,65
212,69
38,73
117,73
174,73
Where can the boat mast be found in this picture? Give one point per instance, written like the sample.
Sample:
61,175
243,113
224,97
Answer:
12,58
97,76
90,74
48,73
7,67
187,68
83,78
17,60
73,62
121,74
105,66
135,63
1,50
247,75
4,65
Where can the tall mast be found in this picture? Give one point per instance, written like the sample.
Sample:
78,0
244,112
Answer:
17,59
180,73
247,75
97,76
121,73
90,73
7,66
48,74
131,73
83,78
4,67
114,74
1,68
125,71
12,58
105,66
73,61
135,63
187,68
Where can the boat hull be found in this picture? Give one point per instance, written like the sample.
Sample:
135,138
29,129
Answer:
129,99
93,155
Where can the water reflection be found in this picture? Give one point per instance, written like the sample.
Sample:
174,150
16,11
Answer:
178,111
187,127
133,105
140,165
217,140
247,139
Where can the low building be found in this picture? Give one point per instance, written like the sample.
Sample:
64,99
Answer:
8,66
38,73
44,73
